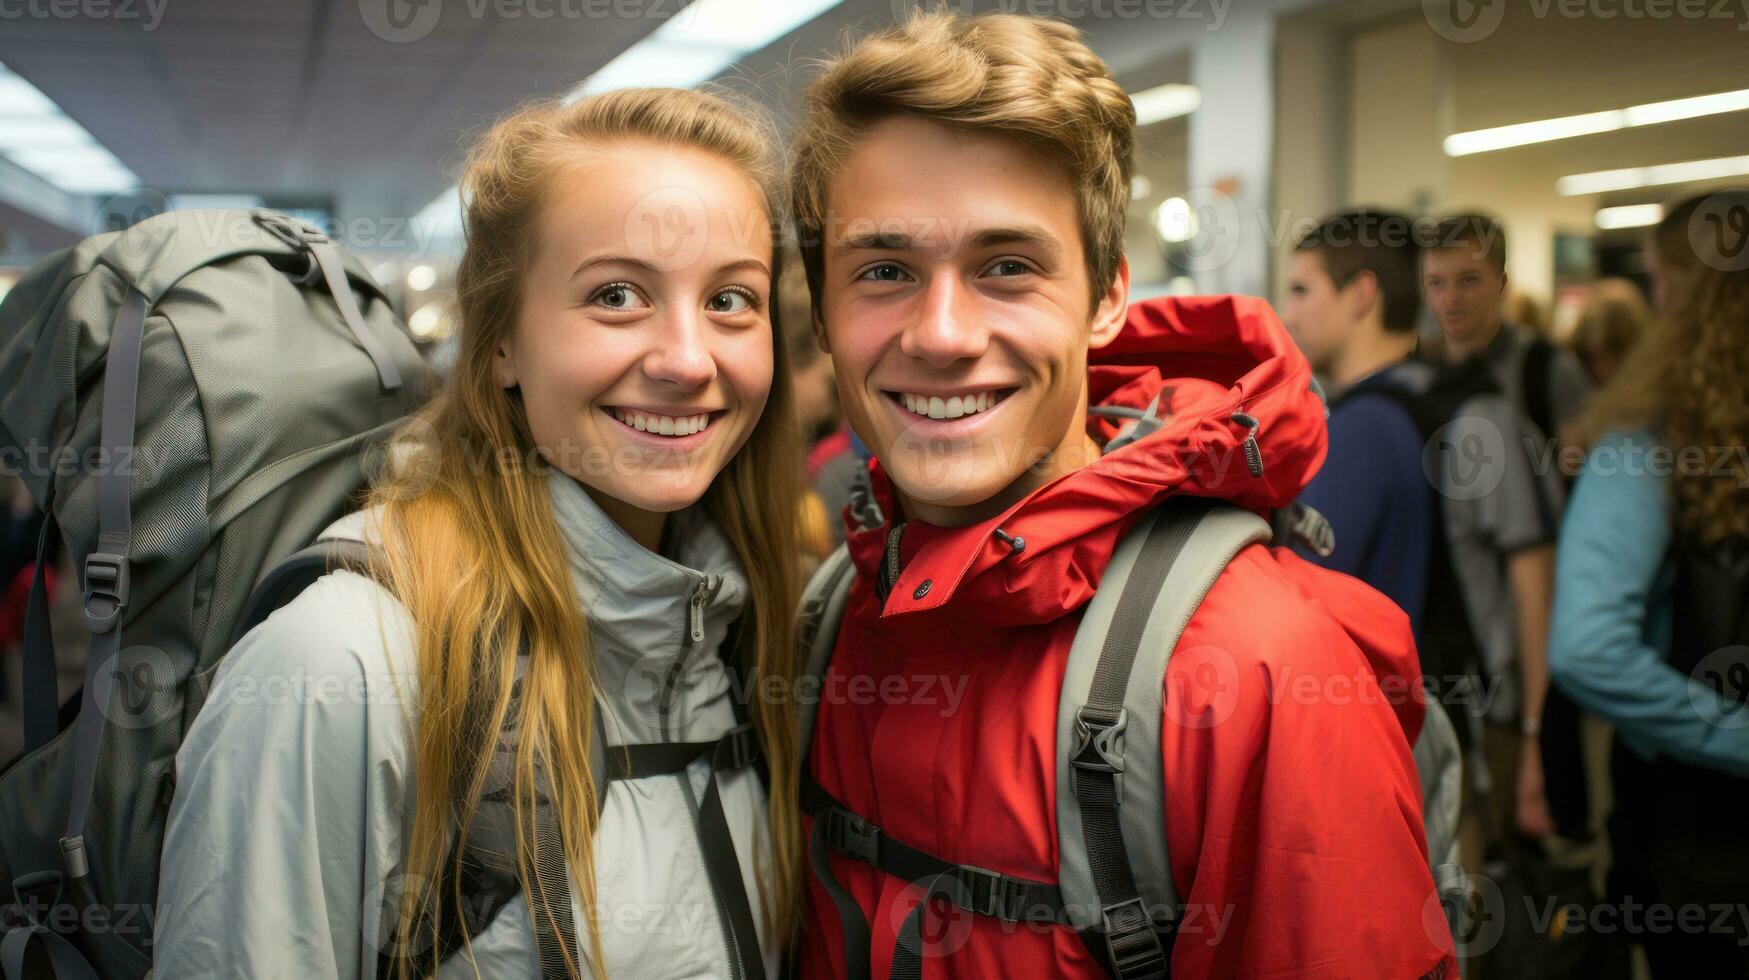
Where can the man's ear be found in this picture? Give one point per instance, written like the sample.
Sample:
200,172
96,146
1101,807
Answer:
1113,307
819,329
1365,294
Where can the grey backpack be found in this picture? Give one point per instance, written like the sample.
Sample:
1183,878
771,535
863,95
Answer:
1114,882
193,399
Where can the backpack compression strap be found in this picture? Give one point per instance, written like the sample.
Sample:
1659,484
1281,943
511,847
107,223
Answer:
1113,865
1113,861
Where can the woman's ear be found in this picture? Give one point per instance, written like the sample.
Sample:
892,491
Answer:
504,366
1113,308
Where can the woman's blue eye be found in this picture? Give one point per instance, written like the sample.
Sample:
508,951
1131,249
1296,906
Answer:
729,301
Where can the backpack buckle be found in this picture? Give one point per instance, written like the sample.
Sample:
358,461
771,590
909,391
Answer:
27,890
742,745
1099,749
852,836
991,893
106,590
1132,947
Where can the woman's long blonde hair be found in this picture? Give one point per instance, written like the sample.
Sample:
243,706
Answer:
1688,376
475,553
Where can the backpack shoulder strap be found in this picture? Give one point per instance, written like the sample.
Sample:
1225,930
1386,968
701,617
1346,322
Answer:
1539,366
1114,870
817,619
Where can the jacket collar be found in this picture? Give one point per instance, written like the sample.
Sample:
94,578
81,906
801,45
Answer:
638,597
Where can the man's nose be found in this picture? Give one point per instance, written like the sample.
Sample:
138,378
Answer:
948,326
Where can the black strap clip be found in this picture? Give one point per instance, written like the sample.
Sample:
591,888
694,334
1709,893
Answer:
852,836
743,746
992,893
1099,748
106,590
1132,944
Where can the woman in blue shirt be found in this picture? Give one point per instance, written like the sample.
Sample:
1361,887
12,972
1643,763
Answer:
1650,625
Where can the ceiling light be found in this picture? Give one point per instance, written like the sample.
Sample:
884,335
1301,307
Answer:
1633,178
1629,216
1567,127
1163,102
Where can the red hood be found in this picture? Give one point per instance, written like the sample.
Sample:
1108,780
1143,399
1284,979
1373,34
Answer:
1206,358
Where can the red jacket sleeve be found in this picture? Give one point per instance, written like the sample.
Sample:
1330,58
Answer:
1295,817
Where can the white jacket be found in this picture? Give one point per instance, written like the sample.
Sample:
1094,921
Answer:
294,785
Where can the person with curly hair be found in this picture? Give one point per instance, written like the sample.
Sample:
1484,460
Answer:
1652,586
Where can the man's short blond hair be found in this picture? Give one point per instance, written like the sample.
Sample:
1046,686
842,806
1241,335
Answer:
1030,78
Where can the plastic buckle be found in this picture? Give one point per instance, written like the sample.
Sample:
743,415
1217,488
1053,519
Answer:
30,885
991,893
106,590
1099,747
298,235
743,746
852,836
1145,958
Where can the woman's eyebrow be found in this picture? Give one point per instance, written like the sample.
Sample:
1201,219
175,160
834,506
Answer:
611,259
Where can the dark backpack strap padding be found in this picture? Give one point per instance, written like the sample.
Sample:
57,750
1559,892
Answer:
40,692
297,572
1538,382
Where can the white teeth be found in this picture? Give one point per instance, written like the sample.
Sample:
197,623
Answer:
956,406
665,425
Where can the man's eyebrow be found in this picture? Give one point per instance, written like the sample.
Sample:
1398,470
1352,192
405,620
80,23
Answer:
1028,235
875,240
1031,236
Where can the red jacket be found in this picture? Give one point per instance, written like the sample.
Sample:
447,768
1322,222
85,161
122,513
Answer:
1294,815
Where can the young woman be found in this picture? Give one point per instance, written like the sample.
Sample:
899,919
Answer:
1652,584
593,511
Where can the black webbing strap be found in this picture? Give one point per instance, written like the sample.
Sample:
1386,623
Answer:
733,751
980,891
41,695
1132,941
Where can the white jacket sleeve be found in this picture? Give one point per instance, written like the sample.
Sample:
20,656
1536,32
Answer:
284,826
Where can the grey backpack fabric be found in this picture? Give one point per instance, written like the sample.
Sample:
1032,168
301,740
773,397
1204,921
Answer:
193,399
1114,873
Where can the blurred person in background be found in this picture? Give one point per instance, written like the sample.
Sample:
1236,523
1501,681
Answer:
1353,299
832,463
1651,623
1525,311
1505,567
1613,319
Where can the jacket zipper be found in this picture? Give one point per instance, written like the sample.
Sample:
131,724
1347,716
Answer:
692,639
889,571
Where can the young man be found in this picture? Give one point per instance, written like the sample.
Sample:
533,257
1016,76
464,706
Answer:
1506,567
1353,297
961,187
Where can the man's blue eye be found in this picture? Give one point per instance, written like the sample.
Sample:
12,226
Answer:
885,272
